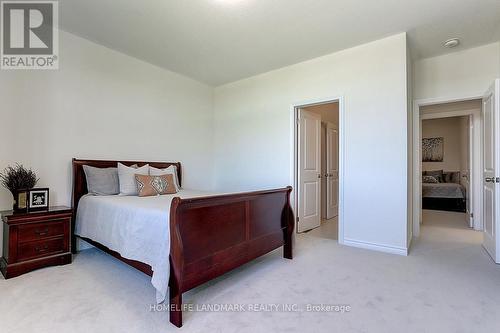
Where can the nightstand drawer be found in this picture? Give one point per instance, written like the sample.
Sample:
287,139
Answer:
37,231
40,248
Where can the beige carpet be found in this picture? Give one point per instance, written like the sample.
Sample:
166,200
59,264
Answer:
447,284
328,229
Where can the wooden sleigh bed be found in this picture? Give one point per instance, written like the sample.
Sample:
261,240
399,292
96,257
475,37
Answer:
209,236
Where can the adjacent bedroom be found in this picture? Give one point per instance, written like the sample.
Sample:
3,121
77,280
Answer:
448,151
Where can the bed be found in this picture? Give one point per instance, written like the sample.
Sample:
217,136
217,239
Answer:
185,239
443,196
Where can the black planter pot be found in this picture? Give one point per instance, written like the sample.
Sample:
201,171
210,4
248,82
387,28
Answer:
20,203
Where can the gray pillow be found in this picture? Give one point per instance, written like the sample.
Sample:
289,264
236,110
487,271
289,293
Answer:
102,181
451,177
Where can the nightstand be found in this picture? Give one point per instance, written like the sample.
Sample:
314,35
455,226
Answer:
33,240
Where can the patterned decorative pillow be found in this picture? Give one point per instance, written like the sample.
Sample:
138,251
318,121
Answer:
438,174
148,186
429,180
170,170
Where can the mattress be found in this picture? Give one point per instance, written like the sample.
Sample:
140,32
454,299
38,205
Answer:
443,190
136,227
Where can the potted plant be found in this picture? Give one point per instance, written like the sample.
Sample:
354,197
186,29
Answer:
18,180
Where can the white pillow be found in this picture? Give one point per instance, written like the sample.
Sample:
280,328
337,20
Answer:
170,170
126,176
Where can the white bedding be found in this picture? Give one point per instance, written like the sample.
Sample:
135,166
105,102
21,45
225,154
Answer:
135,227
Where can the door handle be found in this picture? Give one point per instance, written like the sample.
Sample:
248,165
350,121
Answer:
489,179
319,175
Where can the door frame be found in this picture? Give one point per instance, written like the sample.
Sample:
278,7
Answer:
294,154
476,166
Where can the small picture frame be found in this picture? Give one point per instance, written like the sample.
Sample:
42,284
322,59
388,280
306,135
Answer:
38,198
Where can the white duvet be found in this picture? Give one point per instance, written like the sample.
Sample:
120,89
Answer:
135,227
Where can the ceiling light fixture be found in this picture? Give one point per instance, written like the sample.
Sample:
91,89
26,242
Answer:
451,43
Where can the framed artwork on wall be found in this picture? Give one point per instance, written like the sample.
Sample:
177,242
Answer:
432,149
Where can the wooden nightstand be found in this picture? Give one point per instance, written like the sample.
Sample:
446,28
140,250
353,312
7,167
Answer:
37,239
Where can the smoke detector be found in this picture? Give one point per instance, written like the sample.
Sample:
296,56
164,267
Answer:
451,43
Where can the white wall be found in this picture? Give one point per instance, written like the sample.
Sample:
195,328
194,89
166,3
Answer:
253,131
409,136
106,105
462,74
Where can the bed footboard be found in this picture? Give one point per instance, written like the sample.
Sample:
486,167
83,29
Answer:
213,235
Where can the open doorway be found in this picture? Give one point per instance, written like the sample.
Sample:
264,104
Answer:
317,168
446,170
446,165
450,169
485,162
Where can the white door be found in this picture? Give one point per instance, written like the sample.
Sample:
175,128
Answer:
309,170
332,171
491,170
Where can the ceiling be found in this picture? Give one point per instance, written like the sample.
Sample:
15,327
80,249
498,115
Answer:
220,41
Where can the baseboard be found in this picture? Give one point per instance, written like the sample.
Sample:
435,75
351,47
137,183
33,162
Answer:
376,247
82,245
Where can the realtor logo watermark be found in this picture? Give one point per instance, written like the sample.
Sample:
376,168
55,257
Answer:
29,35
252,307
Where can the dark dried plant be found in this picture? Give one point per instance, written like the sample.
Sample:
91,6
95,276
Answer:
18,177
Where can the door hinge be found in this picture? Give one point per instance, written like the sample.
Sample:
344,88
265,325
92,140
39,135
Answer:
297,219
471,215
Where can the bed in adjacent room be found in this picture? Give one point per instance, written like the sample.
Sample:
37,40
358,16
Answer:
443,191
182,238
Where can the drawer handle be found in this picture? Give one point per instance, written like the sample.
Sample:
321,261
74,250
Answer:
41,249
42,232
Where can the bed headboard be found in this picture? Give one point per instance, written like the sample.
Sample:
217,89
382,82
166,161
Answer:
80,182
